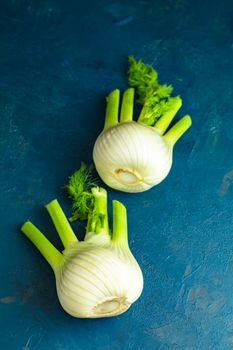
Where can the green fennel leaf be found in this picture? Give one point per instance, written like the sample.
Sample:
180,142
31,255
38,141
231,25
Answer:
155,97
79,190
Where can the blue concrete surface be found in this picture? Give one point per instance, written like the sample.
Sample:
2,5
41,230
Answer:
58,60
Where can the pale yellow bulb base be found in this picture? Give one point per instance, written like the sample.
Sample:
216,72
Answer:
111,306
128,176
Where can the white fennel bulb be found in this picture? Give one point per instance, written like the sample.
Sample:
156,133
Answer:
97,277
131,156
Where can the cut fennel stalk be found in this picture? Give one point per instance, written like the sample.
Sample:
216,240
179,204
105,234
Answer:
134,156
97,277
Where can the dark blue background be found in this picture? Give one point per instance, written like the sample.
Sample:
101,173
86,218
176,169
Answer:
58,60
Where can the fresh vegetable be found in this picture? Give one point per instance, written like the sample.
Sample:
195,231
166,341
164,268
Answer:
97,277
134,156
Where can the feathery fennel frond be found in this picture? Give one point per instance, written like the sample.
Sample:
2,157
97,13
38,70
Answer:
79,190
155,97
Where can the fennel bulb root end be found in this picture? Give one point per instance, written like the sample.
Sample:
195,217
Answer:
128,176
112,306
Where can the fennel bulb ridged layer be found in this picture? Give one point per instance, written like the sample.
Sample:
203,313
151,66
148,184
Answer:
132,157
98,281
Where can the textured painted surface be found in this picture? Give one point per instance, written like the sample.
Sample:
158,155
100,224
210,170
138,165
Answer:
58,60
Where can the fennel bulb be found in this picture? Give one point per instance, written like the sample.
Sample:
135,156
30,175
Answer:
97,277
134,156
